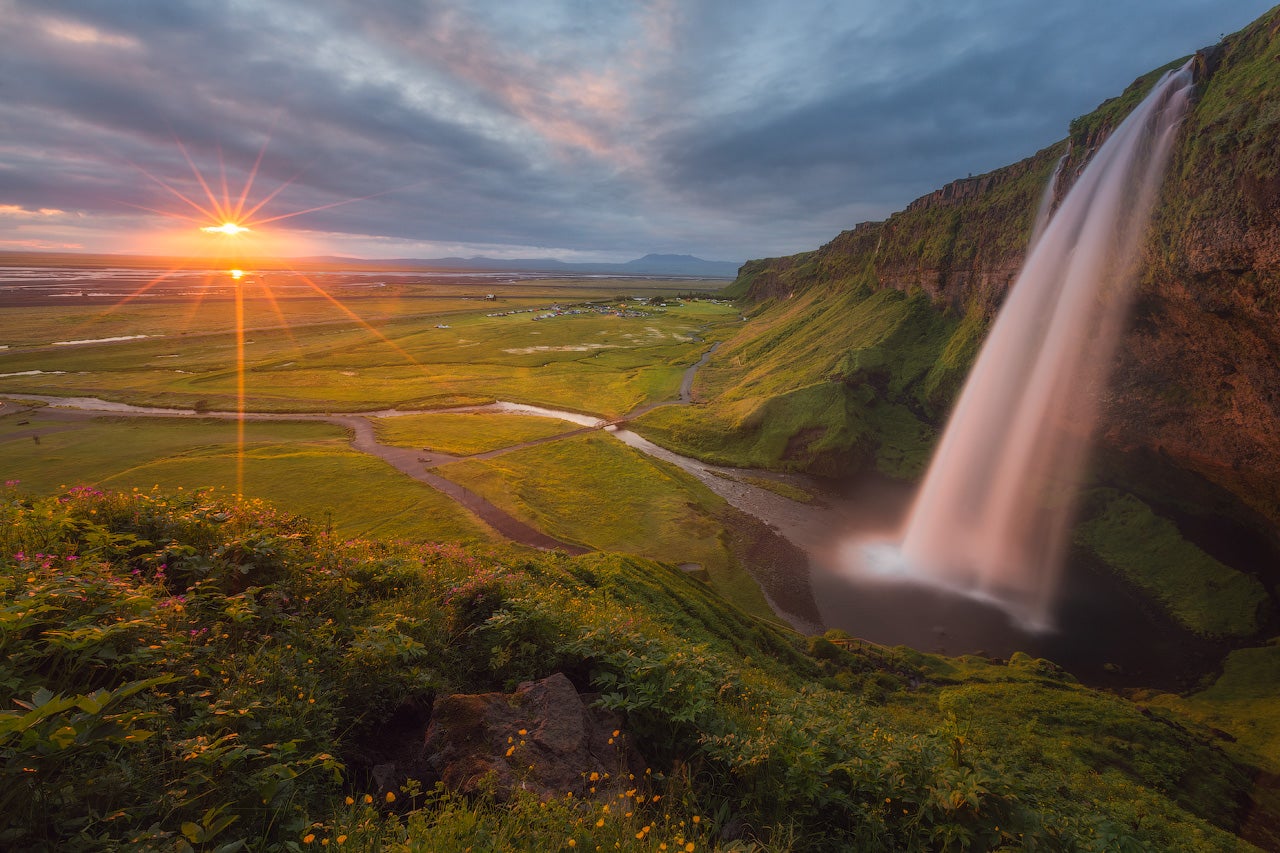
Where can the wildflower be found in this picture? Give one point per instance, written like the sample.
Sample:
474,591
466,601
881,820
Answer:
308,838
571,843
368,798
523,732
689,847
342,839
391,797
600,822
350,801
697,819
595,777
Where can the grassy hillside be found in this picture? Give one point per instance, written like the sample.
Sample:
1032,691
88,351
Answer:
826,382
180,673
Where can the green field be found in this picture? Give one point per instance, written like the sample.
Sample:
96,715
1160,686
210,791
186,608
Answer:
592,362
466,433
303,467
310,355
597,492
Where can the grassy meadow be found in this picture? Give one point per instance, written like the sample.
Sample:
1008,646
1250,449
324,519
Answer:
598,492
466,433
310,355
308,468
382,354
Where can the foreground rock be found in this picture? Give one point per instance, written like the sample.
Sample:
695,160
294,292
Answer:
544,738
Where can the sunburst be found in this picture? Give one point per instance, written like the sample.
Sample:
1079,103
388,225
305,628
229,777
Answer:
231,220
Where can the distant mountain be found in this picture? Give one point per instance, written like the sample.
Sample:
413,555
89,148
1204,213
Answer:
651,264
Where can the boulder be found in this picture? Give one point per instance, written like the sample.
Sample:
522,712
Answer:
543,737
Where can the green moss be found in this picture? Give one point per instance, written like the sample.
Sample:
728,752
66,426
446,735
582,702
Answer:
1244,701
1199,592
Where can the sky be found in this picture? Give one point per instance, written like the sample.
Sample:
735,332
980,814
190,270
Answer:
586,130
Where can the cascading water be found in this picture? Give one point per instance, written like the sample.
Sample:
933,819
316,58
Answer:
992,516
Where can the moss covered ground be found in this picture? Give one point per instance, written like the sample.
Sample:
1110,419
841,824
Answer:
1199,592
184,672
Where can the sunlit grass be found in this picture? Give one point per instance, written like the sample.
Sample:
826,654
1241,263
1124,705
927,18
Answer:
464,434
600,364
595,491
306,467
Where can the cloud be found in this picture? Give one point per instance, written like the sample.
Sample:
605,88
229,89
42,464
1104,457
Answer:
597,128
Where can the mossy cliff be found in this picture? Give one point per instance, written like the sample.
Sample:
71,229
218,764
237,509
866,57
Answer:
854,352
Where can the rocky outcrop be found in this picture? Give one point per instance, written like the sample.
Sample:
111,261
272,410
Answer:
543,738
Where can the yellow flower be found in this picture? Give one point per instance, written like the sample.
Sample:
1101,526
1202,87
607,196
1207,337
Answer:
600,822
368,798
697,819
572,843
391,797
342,839
689,847
595,777
308,838
522,732
350,801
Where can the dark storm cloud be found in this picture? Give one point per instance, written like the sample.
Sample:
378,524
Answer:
725,129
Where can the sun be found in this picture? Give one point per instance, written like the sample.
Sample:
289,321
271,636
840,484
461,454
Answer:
228,228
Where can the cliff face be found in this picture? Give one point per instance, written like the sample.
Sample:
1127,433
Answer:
1197,382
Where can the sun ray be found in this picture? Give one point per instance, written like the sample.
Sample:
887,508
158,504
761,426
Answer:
239,214
270,296
360,321
240,395
207,213
325,206
253,210
167,213
222,179
222,215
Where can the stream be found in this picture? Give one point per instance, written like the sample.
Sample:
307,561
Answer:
1104,632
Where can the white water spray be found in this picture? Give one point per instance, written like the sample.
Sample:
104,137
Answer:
992,516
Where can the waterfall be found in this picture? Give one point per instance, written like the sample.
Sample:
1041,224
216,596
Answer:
992,517
1045,209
